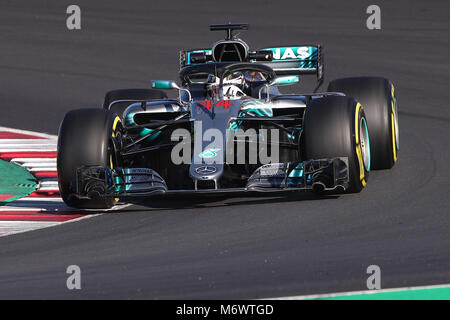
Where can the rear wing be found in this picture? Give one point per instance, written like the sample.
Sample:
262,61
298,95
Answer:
297,60
286,61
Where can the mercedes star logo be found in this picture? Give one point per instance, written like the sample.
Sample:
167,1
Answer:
205,170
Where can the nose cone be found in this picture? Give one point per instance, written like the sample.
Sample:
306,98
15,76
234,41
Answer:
204,172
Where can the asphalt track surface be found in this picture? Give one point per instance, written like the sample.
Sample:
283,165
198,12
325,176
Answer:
243,246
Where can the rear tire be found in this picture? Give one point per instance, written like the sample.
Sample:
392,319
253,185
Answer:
378,99
130,94
85,139
336,126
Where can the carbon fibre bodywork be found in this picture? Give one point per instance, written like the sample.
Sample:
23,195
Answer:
216,122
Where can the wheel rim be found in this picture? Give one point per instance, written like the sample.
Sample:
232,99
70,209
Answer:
396,126
365,143
394,111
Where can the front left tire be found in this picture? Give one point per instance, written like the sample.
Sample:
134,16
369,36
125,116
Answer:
85,139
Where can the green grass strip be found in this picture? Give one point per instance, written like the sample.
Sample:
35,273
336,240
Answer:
16,181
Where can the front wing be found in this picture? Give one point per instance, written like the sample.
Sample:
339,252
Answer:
317,175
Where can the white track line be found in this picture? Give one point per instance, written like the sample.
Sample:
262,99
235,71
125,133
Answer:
12,227
48,184
37,225
47,166
41,199
48,181
27,142
22,149
42,169
9,207
37,160
42,161
352,293
47,187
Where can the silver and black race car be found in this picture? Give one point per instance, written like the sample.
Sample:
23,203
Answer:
230,130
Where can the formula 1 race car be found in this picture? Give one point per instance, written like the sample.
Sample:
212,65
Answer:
230,130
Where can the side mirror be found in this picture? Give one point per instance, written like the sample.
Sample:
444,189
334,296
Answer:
164,84
287,80
279,81
169,84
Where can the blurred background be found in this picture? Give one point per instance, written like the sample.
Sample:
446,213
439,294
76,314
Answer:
46,69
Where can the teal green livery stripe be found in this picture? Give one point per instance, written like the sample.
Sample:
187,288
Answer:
408,294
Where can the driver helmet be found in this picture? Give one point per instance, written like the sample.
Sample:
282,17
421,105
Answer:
236,84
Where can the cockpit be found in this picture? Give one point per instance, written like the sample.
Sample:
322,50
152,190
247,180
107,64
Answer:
225,80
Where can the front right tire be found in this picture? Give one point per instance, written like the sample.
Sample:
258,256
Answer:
336,126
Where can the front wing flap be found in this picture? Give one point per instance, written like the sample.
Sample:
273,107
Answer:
95,181
320,175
